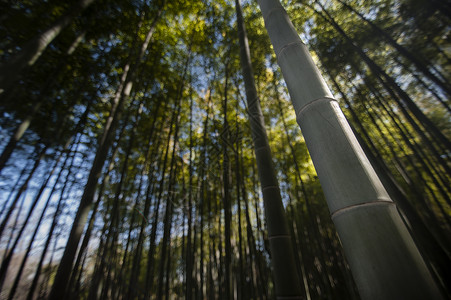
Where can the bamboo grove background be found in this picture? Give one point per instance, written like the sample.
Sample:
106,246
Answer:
133,124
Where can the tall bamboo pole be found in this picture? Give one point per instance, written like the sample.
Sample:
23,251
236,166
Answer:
286,278
383,257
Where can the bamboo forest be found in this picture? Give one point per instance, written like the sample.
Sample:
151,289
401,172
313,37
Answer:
200,149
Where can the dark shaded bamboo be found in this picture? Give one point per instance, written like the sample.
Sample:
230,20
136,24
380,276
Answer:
226,195
417,61
131,293
37,104
5,263
40,155
53,225
389,81
169,206
121,97
287,283
151,252
11,71
35,232
425,85
188,255
243,287
113,224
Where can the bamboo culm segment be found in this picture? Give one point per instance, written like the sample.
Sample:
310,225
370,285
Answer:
383,257
286,278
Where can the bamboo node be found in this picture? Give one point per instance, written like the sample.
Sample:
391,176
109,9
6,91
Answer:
354,206
288,46
309,104
279,236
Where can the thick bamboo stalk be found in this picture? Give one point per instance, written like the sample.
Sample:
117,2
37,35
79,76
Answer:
383,257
